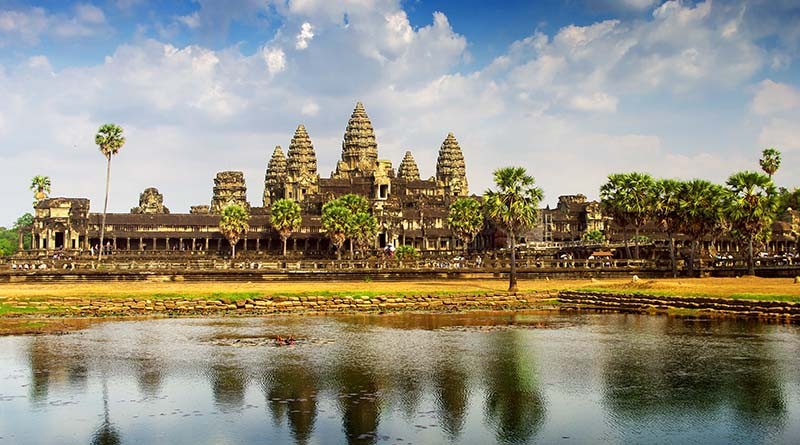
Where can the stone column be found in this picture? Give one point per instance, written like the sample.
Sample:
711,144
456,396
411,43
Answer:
194,246
154,244
206,243
141,243
258,244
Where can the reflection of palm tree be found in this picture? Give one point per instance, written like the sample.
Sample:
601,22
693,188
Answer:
451,383
293,387
148,376
360,409
39,358
514,404
106,434
228,385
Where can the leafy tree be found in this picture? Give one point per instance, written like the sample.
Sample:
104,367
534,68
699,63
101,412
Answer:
514,206
363,228
285,218
666,213
357,225
751,208
40,186
594,236
770,161
406,253
629,198
8,241
700,206
788,200
109,140
23,226
465,219
335,221
233,223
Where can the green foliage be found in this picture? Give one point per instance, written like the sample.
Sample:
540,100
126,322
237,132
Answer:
233,223
349,217
751,206
465,219
109,139
363,228
770,161
335,221
630,199
40,186
285,218
406,253
788,200
8,241
594,236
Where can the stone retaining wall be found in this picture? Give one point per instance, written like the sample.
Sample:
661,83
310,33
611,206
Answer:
98,307
649,303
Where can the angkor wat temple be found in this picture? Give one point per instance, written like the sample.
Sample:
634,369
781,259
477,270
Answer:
410,210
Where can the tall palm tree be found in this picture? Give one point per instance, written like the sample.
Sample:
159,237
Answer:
751,208
514,206
285,218
40,186
465,219
363,228
354,204
233,223
630,199
612,200
699,211
770,161
335,221
666,212
109,140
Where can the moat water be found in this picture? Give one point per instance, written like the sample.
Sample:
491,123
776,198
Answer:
400,379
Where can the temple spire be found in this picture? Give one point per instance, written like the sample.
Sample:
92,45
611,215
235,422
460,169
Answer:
359,148
275,177
301,167
451,170
408,168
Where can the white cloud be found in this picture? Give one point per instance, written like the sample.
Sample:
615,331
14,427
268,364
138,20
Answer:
773,97
783,134
275,59
29,26
594,102
305,35
191,21
89,14
309,109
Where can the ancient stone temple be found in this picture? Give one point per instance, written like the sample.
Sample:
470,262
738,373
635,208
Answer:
275,177
229,189
409,210
450,168
150,202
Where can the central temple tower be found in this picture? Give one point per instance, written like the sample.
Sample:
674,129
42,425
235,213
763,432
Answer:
359,148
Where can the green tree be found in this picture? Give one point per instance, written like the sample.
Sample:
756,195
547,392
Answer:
700,205
666,212
109,140
335,221
8,241
23,226
613,200
788,199
356,204
233,223
285,218
630,196
465,219
514,207
751,208
362,230
594,236
770,161
406,253
40,186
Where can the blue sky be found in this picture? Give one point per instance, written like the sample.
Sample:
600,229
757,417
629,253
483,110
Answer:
571,90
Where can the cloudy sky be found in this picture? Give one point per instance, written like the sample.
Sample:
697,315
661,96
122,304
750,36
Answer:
570,90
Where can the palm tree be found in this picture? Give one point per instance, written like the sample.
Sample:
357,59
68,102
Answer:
700,206
770,161
24,225
285,218
629,198
751,208
233,223
514,206
612,200
363,228
335,221
110,140
465,219
666,213
40,186
354,204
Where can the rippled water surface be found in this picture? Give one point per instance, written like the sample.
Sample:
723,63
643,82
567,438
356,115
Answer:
399,379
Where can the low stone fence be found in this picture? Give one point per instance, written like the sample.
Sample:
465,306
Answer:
99,307
650,303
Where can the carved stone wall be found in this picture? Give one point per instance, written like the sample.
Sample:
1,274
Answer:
229,189
451,170
150,202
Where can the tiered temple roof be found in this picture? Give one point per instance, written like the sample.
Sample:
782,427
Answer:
302,161
359,148
229,189
275,177
450,167
408,169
